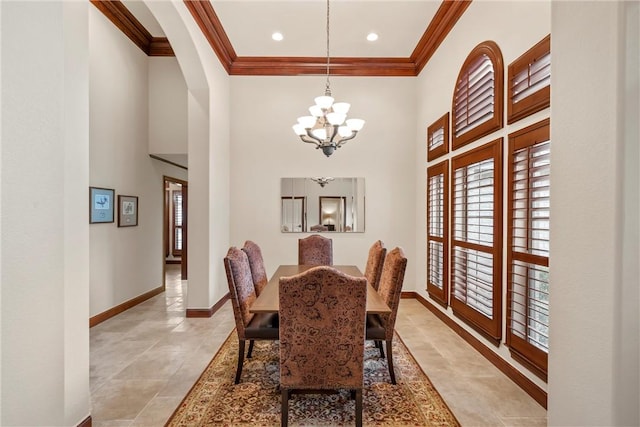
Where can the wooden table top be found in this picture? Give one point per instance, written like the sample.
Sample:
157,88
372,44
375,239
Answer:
269,302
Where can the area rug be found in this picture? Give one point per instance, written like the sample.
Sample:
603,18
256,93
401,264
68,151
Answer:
215,400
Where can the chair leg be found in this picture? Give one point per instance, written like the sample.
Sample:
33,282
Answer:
379,345
240,360
390,362
250,349
284,416
359,407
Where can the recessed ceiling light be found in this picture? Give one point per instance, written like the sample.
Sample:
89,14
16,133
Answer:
372,37
277,36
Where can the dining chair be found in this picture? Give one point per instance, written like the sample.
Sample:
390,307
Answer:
315,250
380,327
249,326
375,260
256,263
322,330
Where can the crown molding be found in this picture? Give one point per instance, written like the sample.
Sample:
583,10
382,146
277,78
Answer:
296,66
211,27
442,23
122,18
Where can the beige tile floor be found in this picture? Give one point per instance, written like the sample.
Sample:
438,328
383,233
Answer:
145,360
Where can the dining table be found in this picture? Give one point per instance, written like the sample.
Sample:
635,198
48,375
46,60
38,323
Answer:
268,301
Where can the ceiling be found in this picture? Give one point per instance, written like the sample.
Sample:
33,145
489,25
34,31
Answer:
399,25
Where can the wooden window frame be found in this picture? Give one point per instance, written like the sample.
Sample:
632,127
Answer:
437,294
536,101
521,350
491,49
489,328
441,123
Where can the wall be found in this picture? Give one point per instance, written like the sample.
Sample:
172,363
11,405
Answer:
593,364
125,262
265,149
167,107
45,234
503,23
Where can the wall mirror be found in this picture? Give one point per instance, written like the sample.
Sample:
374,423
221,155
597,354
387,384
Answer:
322,204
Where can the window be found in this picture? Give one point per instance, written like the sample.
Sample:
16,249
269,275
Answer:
438,138
530,82
438,231
476,270
528,246
478,96
177,222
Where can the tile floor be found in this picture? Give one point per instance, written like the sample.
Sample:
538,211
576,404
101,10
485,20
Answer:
145,360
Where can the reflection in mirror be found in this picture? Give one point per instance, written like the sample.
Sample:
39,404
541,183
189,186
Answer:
322,204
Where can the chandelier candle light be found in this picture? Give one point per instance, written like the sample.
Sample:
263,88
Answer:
327,127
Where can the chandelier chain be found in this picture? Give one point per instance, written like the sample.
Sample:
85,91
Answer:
327,88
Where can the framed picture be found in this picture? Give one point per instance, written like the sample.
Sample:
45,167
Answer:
127,211
100,204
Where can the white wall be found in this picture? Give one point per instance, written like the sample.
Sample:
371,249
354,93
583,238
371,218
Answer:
125,262
593,363
45,235
265,149
515,27
167,107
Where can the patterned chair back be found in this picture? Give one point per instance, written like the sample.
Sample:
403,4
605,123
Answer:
375,261
322,329
241,288
315,250
256,263
390,288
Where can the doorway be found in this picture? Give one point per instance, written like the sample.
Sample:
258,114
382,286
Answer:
175,224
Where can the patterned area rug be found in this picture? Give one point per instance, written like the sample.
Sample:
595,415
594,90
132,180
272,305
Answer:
215,401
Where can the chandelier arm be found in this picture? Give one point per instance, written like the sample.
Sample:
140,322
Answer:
315,139
304,138
334,133
344,139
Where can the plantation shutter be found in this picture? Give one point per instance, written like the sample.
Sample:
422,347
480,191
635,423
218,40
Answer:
528,239
438,138
474,96
437,231
177,223
476,245
530,82
477,101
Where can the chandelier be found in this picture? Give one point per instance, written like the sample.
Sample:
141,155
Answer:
327,127
322,180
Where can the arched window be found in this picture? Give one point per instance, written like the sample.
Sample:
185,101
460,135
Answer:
477,106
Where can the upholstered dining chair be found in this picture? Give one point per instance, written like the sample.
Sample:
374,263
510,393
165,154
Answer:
256,263
315,250
322,330
249,326
375,260
380,327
